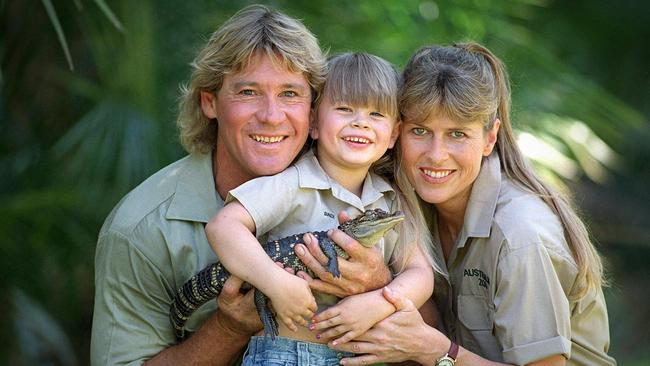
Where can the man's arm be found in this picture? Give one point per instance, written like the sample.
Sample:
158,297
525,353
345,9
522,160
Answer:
223,336
364,271
131,314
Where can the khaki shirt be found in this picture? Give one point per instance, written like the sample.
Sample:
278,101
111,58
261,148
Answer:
504,293
303,198
150,244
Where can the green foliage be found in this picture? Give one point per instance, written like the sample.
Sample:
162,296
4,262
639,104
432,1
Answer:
51,12
72,142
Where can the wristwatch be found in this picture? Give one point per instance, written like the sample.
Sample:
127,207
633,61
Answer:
450,358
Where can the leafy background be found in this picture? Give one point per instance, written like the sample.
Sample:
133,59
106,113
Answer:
88,95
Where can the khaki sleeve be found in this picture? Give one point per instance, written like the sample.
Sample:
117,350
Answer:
130,319
269,200
532,319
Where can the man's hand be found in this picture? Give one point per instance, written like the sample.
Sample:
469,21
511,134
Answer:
222,337
363,271
237,313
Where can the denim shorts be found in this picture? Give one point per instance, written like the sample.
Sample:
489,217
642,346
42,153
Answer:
286,351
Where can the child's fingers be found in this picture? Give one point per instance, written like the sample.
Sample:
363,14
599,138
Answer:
326,314
308,314
326,323
300,321
310,310
289,323
313,307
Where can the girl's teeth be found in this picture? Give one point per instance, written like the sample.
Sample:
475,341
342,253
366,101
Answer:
357,139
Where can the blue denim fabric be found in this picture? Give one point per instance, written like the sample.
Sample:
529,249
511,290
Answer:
287,351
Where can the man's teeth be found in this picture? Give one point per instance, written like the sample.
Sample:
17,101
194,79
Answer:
357,139
437,173
267,139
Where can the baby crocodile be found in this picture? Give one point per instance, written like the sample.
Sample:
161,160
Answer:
367,229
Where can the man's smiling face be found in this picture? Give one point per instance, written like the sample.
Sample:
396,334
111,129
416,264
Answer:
263,116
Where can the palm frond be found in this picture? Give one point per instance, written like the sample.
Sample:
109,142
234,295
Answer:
110,15
40,338
112,146
56,23
51,13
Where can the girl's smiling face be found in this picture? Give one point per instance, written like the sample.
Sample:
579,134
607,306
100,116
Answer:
352,137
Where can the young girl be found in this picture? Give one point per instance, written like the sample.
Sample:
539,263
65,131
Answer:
356,122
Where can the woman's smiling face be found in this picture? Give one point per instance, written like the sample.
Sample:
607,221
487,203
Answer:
442,157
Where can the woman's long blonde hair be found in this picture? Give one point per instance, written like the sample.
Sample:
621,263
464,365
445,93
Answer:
467,82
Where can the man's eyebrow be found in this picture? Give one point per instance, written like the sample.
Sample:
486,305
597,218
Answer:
293,86
244,84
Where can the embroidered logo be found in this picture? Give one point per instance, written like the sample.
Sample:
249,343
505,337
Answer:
483,279
328,214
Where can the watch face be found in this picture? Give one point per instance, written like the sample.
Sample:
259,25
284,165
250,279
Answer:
445,361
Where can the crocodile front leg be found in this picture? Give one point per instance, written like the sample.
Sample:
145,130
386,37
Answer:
266,315
327,246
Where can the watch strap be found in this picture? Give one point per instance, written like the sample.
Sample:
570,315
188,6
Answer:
450,357
453,351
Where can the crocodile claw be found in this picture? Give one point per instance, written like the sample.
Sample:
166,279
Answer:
327,246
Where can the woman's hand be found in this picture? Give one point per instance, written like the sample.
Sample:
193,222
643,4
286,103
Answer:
402,336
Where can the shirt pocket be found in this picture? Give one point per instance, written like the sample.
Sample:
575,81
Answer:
475,313
476,317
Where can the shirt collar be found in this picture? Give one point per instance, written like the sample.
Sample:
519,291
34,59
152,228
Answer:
195,197
483,200
311,175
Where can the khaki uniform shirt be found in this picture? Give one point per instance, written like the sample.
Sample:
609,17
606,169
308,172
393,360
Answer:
150,244
303,198
504,291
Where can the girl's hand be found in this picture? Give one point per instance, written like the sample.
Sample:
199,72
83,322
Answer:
402,336
351,317
293,301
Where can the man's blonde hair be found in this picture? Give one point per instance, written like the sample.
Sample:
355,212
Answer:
253,30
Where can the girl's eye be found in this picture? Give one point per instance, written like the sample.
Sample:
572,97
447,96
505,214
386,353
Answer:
419,131
376,114
343,109
457,134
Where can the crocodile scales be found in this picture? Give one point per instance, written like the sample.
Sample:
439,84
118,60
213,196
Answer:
367,229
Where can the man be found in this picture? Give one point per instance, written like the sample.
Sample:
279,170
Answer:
244,114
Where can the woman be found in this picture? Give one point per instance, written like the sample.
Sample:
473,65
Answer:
520,282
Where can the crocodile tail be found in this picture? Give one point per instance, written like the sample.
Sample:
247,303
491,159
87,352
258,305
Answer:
266,315
199,289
